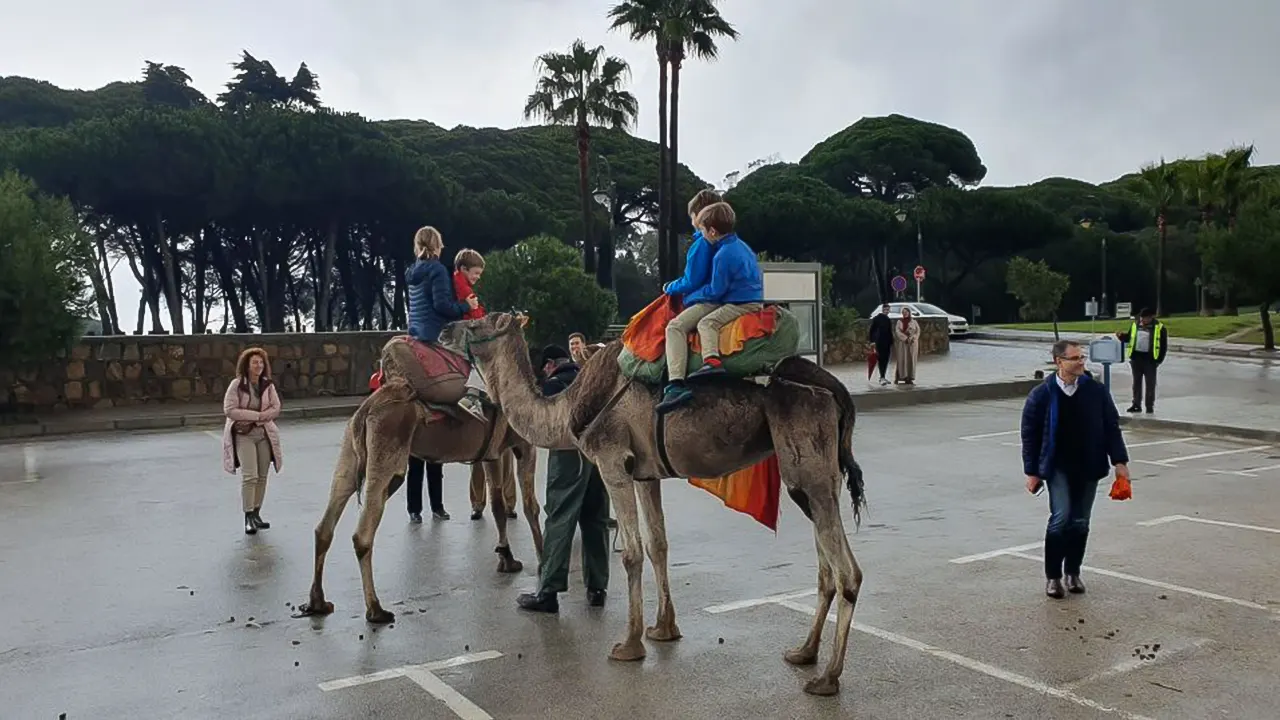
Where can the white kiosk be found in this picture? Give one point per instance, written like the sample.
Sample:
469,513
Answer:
797,286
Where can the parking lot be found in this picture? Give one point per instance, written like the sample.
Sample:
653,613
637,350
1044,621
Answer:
123,564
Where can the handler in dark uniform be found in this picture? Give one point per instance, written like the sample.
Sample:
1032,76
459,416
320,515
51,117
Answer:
575,496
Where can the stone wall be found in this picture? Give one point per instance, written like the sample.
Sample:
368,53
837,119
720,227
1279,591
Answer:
147,369
935,339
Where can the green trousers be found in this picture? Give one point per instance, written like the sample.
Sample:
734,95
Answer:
575,497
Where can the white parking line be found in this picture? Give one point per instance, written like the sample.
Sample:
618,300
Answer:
1159,584
1134,663
744,604
215,435
1160,442
995,553
1223,523
1217,453
424,676
991,435
972,664
1247,472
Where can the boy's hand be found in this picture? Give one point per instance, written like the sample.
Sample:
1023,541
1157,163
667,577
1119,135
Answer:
524,320
472,302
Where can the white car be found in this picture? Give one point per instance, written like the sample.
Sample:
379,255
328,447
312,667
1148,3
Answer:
957,325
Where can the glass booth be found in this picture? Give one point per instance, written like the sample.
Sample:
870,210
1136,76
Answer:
797,286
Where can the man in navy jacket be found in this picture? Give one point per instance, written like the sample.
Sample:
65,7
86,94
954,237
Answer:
1070,438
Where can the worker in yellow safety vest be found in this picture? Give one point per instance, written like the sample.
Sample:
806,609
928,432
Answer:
1146,346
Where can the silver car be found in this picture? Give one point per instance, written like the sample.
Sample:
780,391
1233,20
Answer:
957,325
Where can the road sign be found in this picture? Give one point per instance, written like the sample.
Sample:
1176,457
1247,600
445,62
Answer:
919,272
1124,310
898,283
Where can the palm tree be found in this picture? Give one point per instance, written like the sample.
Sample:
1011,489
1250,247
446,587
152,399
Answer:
1159,188
580,88
678,28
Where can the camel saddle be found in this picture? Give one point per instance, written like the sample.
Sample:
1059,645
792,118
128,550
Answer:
436,374
749,346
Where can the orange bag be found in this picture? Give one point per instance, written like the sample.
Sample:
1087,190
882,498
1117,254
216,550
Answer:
646,333
1121,489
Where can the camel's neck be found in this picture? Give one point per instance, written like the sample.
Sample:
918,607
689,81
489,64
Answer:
543,421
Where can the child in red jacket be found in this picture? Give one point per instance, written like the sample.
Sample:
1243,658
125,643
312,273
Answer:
468,266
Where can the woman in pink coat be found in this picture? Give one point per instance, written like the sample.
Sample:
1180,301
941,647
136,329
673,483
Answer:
250,439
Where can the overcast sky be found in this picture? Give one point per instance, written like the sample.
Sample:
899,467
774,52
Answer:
1088,89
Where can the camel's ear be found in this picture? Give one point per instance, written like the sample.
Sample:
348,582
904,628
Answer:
502,322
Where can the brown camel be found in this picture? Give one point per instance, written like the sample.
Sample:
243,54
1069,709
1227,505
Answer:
388,427
803,414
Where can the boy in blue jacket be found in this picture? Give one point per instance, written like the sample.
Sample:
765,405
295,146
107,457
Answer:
697,263
736,288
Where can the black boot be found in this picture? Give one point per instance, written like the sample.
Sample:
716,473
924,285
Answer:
250,527
257,519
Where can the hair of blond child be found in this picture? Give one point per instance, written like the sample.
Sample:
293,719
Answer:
717,217
467,259
427,242
701,201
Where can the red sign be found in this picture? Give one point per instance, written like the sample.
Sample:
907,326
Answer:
919,272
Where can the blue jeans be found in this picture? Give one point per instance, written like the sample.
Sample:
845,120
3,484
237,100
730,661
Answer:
1070,506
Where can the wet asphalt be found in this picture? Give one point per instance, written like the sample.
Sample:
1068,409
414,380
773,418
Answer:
128,589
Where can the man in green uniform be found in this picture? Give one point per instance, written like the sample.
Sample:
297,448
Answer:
575,496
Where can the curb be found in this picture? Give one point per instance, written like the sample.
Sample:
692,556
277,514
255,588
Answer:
869,400
82,426
1015,336
1201,429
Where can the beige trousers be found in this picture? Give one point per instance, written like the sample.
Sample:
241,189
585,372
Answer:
708,320
255,460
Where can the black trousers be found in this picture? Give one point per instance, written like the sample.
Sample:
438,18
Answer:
882,357
413,485
1144,372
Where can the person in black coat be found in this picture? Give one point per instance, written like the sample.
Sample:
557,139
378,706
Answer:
1070,439
880,334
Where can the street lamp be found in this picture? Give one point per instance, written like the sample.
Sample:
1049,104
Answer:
1086,224
604,195
902,218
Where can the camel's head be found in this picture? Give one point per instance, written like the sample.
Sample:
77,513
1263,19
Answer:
482,338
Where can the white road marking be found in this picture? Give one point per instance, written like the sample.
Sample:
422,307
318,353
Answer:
995,553
215,435
1135,663
1205,521
1159,584
404,670
1216,453
971,664
1161,463
1247,472
1161,442
440,690
744,604
31,472
990,435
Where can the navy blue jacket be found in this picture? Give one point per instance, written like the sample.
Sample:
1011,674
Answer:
1100,425
431,301
560,379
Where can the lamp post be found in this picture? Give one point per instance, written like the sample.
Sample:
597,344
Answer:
605,192
902,218
1102,308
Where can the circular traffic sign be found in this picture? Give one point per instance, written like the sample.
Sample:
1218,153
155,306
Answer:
898,283
919,272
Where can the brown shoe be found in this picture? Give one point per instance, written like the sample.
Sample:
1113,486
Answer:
1053,588
1074,585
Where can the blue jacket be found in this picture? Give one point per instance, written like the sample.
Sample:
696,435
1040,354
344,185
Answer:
697,267
1100,426
431,302
735,276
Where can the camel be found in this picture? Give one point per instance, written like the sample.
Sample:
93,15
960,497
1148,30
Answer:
389,426
803,414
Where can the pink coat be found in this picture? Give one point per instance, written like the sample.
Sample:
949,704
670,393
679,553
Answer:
235,405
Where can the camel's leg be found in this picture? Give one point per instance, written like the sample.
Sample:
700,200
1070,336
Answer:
526,468
345,478
622,493
846,577
493,475
650,494
388,444
807,654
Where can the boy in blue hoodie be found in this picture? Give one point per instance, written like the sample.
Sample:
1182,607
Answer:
697,263
736,288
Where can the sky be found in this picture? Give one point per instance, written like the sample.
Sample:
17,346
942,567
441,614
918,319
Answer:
1089,89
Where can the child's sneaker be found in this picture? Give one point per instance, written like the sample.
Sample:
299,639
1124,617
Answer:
710,366
471,403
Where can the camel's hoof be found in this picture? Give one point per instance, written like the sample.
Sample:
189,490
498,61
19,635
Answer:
627,653
378,616
822,685
314,608
506,561
657,633
801,656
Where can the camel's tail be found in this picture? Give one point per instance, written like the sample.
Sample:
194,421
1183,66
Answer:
800,370
356,426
